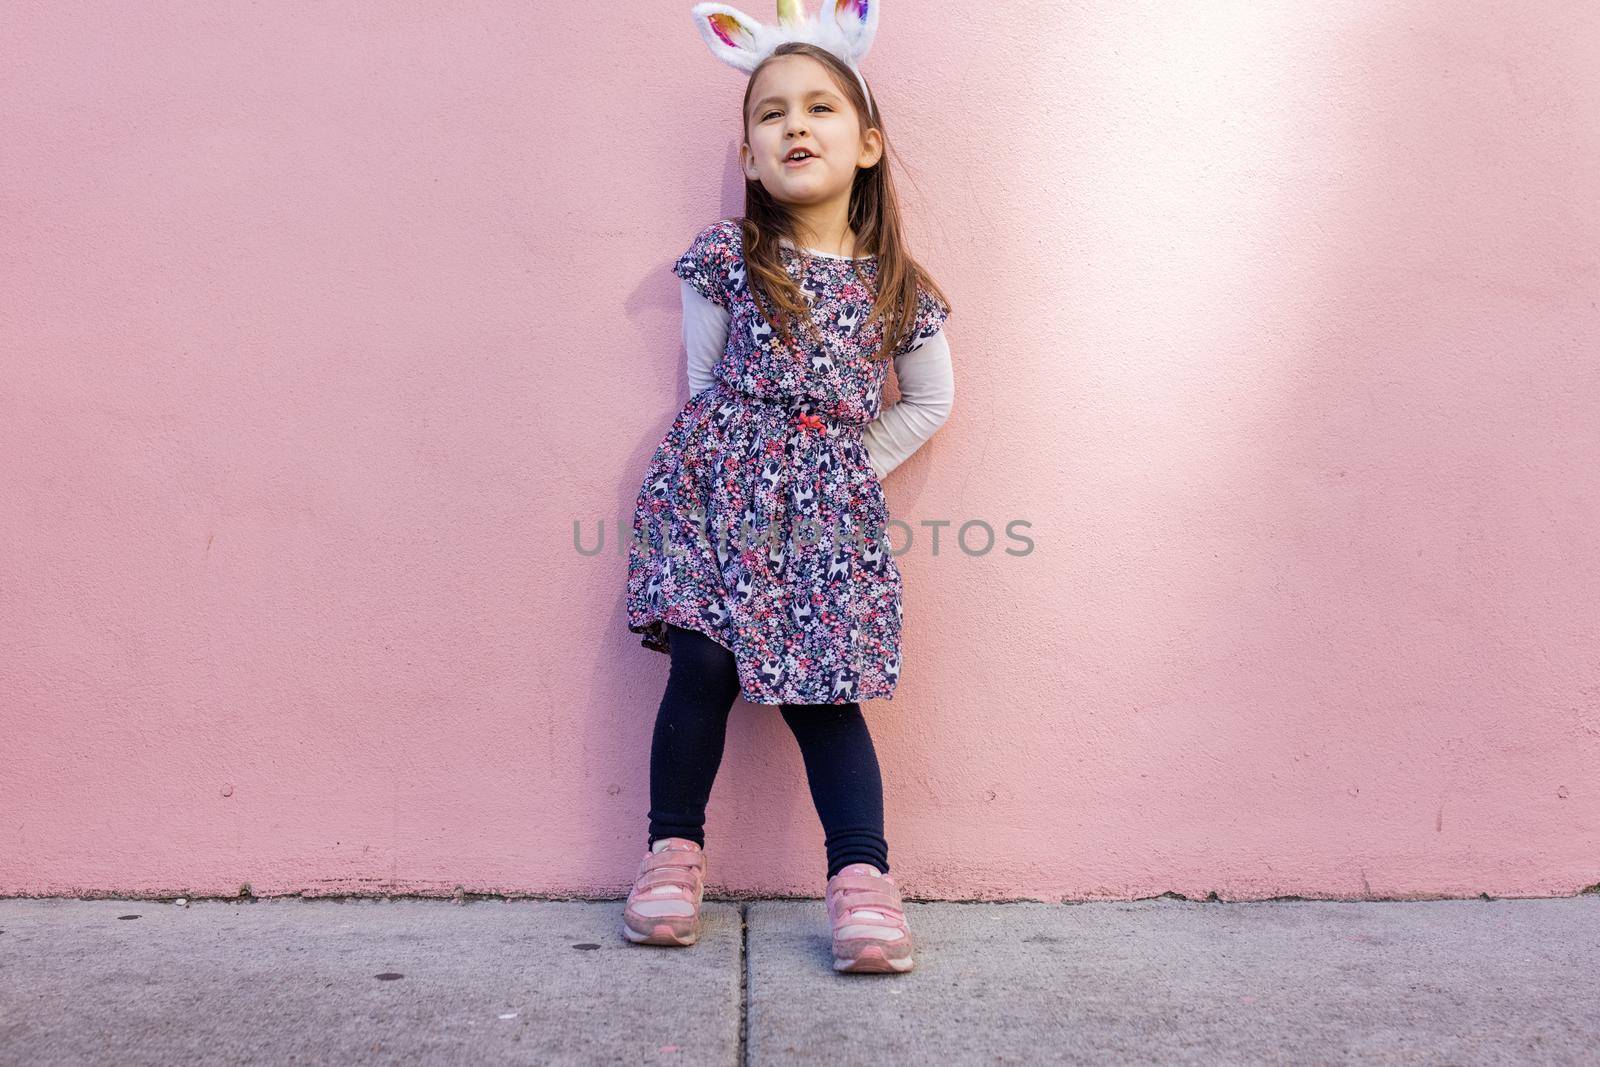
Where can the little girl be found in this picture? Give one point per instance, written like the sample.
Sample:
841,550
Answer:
760,560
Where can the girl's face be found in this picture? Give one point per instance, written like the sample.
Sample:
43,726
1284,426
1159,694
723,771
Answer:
796,104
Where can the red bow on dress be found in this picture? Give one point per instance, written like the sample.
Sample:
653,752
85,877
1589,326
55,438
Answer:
809,421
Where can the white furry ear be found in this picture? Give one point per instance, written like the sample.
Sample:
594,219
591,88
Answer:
844,27
857,21
733,37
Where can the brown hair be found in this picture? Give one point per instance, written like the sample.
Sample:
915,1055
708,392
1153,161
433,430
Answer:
874,215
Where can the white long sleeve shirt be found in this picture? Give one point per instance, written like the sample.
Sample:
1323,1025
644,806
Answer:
926,376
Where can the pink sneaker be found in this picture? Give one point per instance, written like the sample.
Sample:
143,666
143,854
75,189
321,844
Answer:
870,934
663,906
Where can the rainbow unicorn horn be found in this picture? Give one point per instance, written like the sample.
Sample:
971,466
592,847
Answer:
844,27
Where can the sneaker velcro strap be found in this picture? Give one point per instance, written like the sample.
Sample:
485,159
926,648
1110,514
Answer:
854,882
675,858
869,899
666,876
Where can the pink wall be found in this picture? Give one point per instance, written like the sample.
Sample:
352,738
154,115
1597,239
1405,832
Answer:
322,323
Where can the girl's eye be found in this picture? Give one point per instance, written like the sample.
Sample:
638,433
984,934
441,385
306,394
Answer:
769,114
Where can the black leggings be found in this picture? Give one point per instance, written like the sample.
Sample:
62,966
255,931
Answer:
686,750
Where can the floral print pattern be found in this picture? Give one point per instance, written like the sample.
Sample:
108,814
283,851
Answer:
759,521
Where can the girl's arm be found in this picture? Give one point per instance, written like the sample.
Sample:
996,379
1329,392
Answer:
705,336
927,393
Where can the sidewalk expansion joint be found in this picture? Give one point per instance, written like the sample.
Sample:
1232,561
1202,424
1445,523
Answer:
744,985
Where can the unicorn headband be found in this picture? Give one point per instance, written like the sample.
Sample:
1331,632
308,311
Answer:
844,27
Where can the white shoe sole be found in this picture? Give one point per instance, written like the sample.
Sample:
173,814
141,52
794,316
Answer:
873,962
661,935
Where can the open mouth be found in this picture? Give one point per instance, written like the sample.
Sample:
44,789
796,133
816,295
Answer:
798,159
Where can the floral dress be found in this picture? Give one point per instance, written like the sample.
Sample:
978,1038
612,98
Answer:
760,522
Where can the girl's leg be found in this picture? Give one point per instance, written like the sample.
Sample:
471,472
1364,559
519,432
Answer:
842,769
691,725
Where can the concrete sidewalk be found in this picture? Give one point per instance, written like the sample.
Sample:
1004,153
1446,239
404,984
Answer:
493,981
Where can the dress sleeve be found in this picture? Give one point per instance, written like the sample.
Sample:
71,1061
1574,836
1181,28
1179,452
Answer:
713,263
927,393
930,316
705,336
